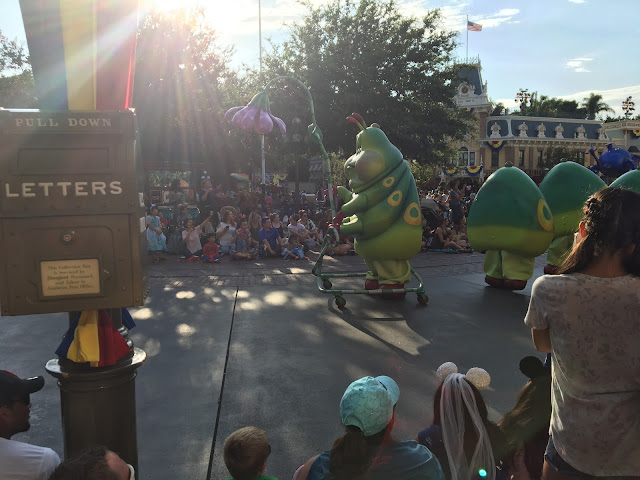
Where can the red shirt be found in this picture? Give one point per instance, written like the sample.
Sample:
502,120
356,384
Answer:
210,249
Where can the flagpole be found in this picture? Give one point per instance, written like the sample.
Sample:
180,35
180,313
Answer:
467,25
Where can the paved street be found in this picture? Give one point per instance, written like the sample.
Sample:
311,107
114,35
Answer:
255,343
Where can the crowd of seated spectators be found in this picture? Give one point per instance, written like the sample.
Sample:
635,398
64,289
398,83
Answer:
226,223
444,217
229,223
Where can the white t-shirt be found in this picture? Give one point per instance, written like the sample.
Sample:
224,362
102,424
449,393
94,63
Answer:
22,461
298,229
594,326
193,244
226,239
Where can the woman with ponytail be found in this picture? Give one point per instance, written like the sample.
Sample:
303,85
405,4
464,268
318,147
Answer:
366,451
588,318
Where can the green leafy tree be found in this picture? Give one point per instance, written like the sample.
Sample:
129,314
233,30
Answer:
423,174
499,109
337,162
545,106
555,155
365,57
182,85
594,105
16,79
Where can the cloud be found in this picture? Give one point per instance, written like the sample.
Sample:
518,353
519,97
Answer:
455,17
454,13
577,1
578,64
612,97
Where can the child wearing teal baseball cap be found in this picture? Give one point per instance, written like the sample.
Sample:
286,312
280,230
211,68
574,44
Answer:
367,451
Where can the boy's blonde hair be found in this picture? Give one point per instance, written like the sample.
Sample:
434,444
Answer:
245,452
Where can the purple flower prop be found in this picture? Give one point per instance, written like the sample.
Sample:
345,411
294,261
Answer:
255,116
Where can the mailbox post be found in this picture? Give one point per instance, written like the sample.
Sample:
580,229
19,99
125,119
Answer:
72,227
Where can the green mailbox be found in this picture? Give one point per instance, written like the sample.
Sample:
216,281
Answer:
72,216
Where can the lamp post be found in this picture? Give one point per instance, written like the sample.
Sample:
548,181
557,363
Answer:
296,138
264,173
523,97
628,107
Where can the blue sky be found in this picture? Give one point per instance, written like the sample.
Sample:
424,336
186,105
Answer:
560,48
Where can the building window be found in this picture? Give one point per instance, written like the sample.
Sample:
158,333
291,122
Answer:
495,158
521,158
539,158
463,157
581,158
472,159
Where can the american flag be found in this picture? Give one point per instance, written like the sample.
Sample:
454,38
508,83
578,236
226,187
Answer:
474,27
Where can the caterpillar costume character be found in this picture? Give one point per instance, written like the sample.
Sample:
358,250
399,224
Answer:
511,222
382,211
566,188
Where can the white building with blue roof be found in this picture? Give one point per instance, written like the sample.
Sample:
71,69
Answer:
524,140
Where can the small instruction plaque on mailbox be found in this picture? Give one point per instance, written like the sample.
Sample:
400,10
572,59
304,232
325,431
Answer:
70,277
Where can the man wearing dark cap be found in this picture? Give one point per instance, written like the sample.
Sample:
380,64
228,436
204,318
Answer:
21,461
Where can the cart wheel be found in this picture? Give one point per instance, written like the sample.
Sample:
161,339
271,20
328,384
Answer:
423,299
340,302
326,284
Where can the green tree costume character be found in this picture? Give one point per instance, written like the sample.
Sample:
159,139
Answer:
512,222
382,211
566,188
628,181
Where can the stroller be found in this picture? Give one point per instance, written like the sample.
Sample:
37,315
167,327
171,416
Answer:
431,213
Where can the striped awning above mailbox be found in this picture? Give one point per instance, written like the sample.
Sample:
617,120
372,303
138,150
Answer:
82,52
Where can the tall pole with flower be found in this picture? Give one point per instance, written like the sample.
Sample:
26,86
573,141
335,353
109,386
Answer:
262,162
257,117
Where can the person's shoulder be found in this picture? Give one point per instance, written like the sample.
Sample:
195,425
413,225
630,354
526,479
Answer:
410,452
412,448
552,281
29,452
50,459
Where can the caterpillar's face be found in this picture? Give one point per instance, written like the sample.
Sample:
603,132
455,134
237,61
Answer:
363,167
375,156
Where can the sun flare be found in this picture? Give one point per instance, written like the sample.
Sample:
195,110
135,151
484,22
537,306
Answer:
170,5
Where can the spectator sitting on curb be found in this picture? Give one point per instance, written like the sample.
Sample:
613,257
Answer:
243,237
311,228
293,250
226,231
255,224
296,228
245,454
344,248
21,460
270,242
191,236
277,224
441,239
95,463
210,250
